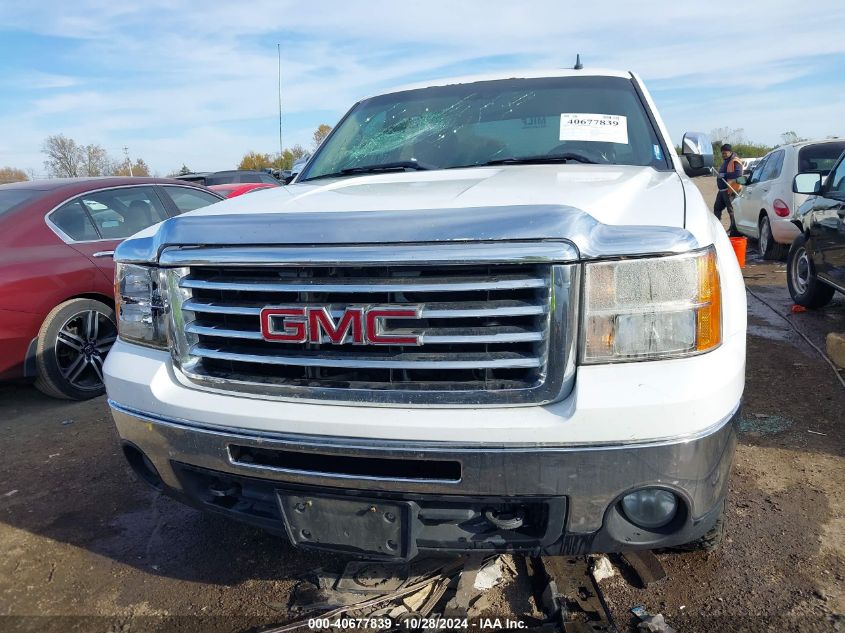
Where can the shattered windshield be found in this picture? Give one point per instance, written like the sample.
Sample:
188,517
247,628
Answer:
580,119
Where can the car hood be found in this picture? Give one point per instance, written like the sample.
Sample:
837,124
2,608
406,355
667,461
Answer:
607,209
612,194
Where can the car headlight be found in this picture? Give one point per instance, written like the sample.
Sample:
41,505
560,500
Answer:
139,305
647,309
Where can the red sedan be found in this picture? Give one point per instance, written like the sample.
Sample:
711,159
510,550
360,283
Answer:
232,189
57,238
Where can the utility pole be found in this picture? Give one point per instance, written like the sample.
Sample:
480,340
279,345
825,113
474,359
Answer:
128,162
281,147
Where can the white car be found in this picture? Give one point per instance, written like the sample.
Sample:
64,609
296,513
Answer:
767,206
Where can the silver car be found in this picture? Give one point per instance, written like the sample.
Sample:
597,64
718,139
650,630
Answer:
767,205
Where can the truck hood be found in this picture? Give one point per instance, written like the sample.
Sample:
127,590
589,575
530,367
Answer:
612,194
606,210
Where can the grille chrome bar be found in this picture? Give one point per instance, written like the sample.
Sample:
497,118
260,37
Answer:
497,334
368,285
443,310
499,360
447,253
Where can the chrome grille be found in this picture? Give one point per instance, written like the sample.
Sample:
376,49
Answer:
486,331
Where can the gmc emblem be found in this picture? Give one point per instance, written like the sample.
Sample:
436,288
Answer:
360,325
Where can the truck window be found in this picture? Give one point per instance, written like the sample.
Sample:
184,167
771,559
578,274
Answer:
601,118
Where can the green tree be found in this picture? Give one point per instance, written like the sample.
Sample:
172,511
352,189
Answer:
139,168
736,138
256,161
288,157
320,134
282,161
12,174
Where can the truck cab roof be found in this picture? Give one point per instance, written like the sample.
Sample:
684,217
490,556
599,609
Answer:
526,73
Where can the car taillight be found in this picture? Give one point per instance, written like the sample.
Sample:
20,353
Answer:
781,208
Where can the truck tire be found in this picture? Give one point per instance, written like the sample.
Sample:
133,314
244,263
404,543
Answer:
72,344
711,540
804,287
769,249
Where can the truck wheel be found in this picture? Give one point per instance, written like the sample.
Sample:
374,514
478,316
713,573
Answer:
804,286
72,345
769,249
709,541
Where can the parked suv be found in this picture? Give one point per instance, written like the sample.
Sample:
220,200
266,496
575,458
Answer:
766,207
816,265
57,238
492,314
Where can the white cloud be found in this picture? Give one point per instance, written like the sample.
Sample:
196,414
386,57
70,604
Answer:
180,82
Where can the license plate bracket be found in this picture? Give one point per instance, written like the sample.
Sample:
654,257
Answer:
361,526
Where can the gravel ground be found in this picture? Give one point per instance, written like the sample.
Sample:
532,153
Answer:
84,546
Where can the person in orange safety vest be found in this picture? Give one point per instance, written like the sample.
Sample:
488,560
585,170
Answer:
730,170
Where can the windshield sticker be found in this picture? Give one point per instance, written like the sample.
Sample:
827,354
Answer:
604,128
658,153
533,122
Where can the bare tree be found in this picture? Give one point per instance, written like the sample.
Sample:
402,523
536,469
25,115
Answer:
96,162
734,136
297,152
68,159
64,157
791,137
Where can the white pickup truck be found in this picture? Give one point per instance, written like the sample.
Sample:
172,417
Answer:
491,313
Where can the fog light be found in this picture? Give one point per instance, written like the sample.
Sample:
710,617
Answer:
650,508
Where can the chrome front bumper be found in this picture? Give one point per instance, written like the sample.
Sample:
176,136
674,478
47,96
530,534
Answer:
579,488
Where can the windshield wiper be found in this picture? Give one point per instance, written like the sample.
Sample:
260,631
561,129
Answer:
399,164
539,159
375,168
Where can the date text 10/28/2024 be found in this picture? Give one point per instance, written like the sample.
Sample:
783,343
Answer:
412,623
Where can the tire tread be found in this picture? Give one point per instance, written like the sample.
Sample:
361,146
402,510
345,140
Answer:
818,294
45,382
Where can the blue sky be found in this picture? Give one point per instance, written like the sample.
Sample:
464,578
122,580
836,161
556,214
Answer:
196,83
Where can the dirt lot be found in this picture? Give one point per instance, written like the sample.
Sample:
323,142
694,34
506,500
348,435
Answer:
84,546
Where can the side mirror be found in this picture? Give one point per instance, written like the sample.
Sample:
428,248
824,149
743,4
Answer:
697,149
807,183
743,180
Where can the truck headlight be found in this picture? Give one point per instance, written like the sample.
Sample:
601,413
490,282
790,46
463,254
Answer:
139,306
647,309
